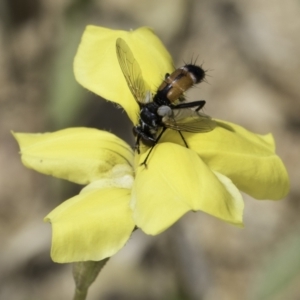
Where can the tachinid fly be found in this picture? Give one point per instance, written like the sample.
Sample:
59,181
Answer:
168,107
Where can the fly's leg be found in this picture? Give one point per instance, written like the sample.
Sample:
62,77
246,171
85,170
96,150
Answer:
137,144
185,143
137,132
199,103
156,141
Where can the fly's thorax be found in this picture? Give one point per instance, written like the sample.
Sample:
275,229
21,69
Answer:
149,116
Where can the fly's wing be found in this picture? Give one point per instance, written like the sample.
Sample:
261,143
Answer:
132,73
186,119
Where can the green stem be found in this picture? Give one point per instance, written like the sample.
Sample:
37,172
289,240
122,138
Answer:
84,274
80,295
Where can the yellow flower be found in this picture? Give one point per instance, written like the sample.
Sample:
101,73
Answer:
122,194
98,222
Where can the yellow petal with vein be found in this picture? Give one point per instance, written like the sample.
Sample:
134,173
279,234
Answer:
248,159
177,181
91,226
81,155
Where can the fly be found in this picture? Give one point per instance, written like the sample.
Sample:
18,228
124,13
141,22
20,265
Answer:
167,108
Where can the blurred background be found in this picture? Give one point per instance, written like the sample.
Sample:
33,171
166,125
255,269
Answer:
251,51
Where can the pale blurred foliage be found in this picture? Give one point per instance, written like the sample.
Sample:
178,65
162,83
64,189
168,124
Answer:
251,51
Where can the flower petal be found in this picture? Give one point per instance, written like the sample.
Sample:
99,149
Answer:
91,226
97,68
248,159
176,181
81,155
